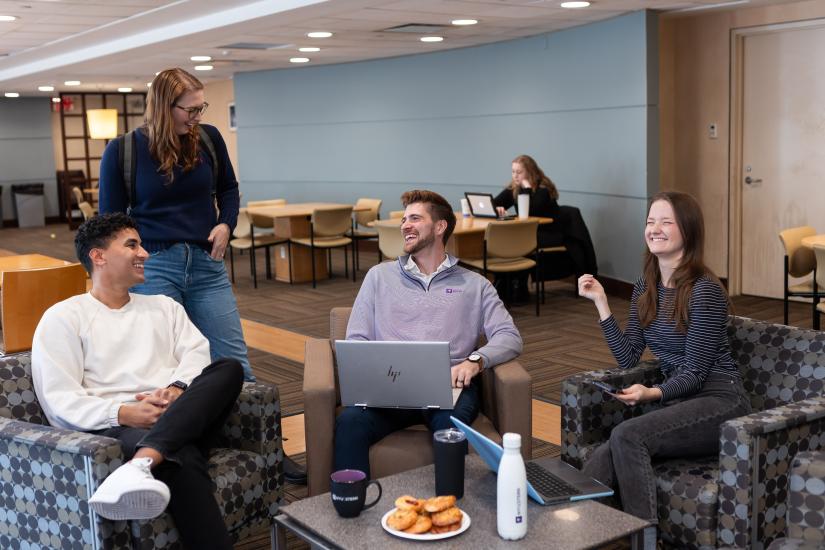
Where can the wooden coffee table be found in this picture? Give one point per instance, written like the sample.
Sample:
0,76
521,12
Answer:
585,524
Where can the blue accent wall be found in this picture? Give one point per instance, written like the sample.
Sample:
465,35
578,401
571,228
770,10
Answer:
583,102
26,149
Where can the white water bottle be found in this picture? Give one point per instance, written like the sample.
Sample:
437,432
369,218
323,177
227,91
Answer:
511,491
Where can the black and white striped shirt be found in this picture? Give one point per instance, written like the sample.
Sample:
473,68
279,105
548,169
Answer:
686,358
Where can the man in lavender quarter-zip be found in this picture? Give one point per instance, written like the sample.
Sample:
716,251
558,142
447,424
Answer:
425,296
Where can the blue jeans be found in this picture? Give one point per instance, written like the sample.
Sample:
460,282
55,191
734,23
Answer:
356,428
189,275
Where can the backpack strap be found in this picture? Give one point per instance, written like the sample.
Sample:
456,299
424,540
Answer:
127,158
210,147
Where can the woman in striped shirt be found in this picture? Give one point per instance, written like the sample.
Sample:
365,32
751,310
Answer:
679,310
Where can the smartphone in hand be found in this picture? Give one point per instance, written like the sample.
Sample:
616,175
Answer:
604,386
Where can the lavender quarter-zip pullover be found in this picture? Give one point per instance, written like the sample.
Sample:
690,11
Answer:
457,306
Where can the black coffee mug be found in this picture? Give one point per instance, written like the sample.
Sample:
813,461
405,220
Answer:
349,491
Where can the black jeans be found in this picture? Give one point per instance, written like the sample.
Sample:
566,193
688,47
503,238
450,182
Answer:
356,428
680,429
183,435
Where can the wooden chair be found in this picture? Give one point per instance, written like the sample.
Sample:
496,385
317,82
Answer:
364,219
244,238
27,294
86,209
66,180
327,230
819,273
390,242
396,214
799,261
506,245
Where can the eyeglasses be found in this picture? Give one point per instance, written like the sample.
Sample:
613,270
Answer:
194,111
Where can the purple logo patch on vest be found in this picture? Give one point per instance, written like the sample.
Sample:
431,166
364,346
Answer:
453,290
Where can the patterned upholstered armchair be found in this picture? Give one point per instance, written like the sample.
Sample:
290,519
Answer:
737,498
806,504
48,473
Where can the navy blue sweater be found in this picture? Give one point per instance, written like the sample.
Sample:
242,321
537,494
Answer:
178,212
686,359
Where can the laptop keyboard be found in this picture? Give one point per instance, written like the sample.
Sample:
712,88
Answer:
548,485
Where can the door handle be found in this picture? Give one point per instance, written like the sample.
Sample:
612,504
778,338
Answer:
749,180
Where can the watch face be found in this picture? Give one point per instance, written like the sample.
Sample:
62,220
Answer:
474,357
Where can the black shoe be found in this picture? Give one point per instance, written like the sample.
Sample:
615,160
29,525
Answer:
294,472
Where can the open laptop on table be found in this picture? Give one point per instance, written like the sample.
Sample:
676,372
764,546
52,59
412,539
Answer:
404,375
549,480
482,206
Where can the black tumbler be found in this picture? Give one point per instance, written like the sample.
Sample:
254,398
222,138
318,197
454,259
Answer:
449,448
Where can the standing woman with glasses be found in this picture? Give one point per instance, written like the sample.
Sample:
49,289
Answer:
184,215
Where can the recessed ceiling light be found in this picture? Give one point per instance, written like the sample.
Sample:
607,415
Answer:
55,100
11,94
573,5
200,58
46,88
204,67
461,22
432,38
124,90
319,34
299,60
7,18
309,49
72,83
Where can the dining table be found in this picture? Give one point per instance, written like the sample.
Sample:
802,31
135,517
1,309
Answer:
809,242
291,221
467,240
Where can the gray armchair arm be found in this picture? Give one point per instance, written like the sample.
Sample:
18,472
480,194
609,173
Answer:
58,470
320,399
587,418
754,461
254,425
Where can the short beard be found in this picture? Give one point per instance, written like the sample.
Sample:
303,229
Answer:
420,245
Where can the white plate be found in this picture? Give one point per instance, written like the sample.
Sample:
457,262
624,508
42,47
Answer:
465,524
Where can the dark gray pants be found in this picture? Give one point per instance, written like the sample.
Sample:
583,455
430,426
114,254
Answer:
680,429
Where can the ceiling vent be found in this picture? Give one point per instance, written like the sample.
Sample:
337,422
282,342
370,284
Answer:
253,46
417,28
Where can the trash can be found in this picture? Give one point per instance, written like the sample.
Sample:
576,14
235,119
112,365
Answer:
28,204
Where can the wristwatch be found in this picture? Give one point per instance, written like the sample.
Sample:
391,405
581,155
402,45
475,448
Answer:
178,384
476,358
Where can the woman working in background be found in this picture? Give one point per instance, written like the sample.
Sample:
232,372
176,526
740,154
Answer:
529,179
174,207
679,310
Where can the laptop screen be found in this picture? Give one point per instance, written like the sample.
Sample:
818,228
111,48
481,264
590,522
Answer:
481,205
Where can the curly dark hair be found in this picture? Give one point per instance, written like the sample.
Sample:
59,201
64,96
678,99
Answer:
98,232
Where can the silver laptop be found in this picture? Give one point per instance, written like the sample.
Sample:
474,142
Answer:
481,206
404,375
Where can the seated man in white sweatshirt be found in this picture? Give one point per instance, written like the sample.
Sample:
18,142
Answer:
135,368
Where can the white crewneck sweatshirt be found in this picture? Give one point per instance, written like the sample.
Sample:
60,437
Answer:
88,359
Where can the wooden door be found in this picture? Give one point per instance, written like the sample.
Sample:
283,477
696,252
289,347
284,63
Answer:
783,148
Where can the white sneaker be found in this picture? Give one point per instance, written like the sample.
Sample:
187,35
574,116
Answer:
131,492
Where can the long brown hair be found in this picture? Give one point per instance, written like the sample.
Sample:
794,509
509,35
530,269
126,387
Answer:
692,266
535,175
165,145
